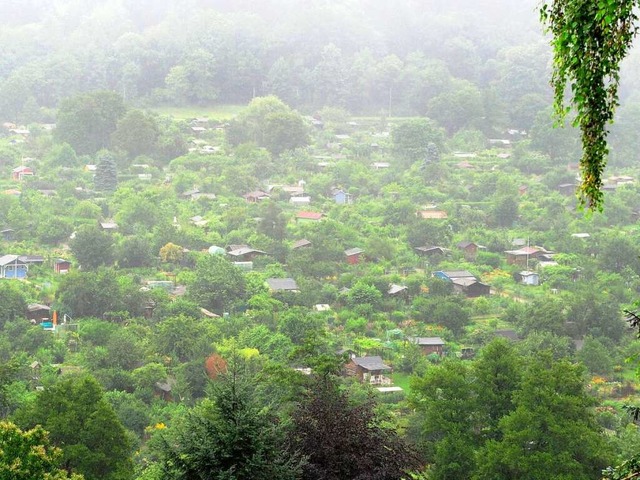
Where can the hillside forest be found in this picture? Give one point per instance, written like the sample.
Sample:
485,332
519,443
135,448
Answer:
307,240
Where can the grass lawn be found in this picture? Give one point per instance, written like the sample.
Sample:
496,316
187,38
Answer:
214,112
401,380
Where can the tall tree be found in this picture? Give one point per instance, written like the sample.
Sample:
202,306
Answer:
14,304
106,178
231,436
342,439
218,284
86,121
136,133
412,137
92,247
269,123
552,433
78,418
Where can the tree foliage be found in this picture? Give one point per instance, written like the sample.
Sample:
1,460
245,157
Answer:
230,437
343,439
218,284
28,455
78,418
92,247
86,121
590,39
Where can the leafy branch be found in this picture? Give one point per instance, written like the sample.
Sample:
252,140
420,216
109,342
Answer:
590,39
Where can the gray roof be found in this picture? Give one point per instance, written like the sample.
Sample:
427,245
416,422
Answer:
353,251
31,258
393,289
465,282
279,284
7,259
371,363
426,340
243,251
300,243
452,274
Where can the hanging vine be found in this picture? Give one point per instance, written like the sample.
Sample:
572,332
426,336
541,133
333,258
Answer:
590,39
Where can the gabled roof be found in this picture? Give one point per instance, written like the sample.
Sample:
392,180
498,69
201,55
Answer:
371,363
393,289
465,244
466,281
35,307
282,284
7,259
258,194
526,273
243,251
353,251
425,249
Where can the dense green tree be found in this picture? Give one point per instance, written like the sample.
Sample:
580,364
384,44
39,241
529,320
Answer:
92,247
446,421
136,134
451,315
412,137
269,123
106,177
217,285
182,338
552,433
497,373
505,211
230,436
134,252
62,155
92,294
28,455
75,413
13,301
86,121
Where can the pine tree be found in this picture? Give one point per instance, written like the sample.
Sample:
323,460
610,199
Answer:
106,178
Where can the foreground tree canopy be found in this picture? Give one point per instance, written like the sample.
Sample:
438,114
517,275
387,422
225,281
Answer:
590,39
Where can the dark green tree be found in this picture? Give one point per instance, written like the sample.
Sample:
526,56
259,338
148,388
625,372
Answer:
412,137
231,436
106,177
136,134
14,304
497,374
446,424
552,433
269,123
217,285
92,247
92,294
78,418
86,121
